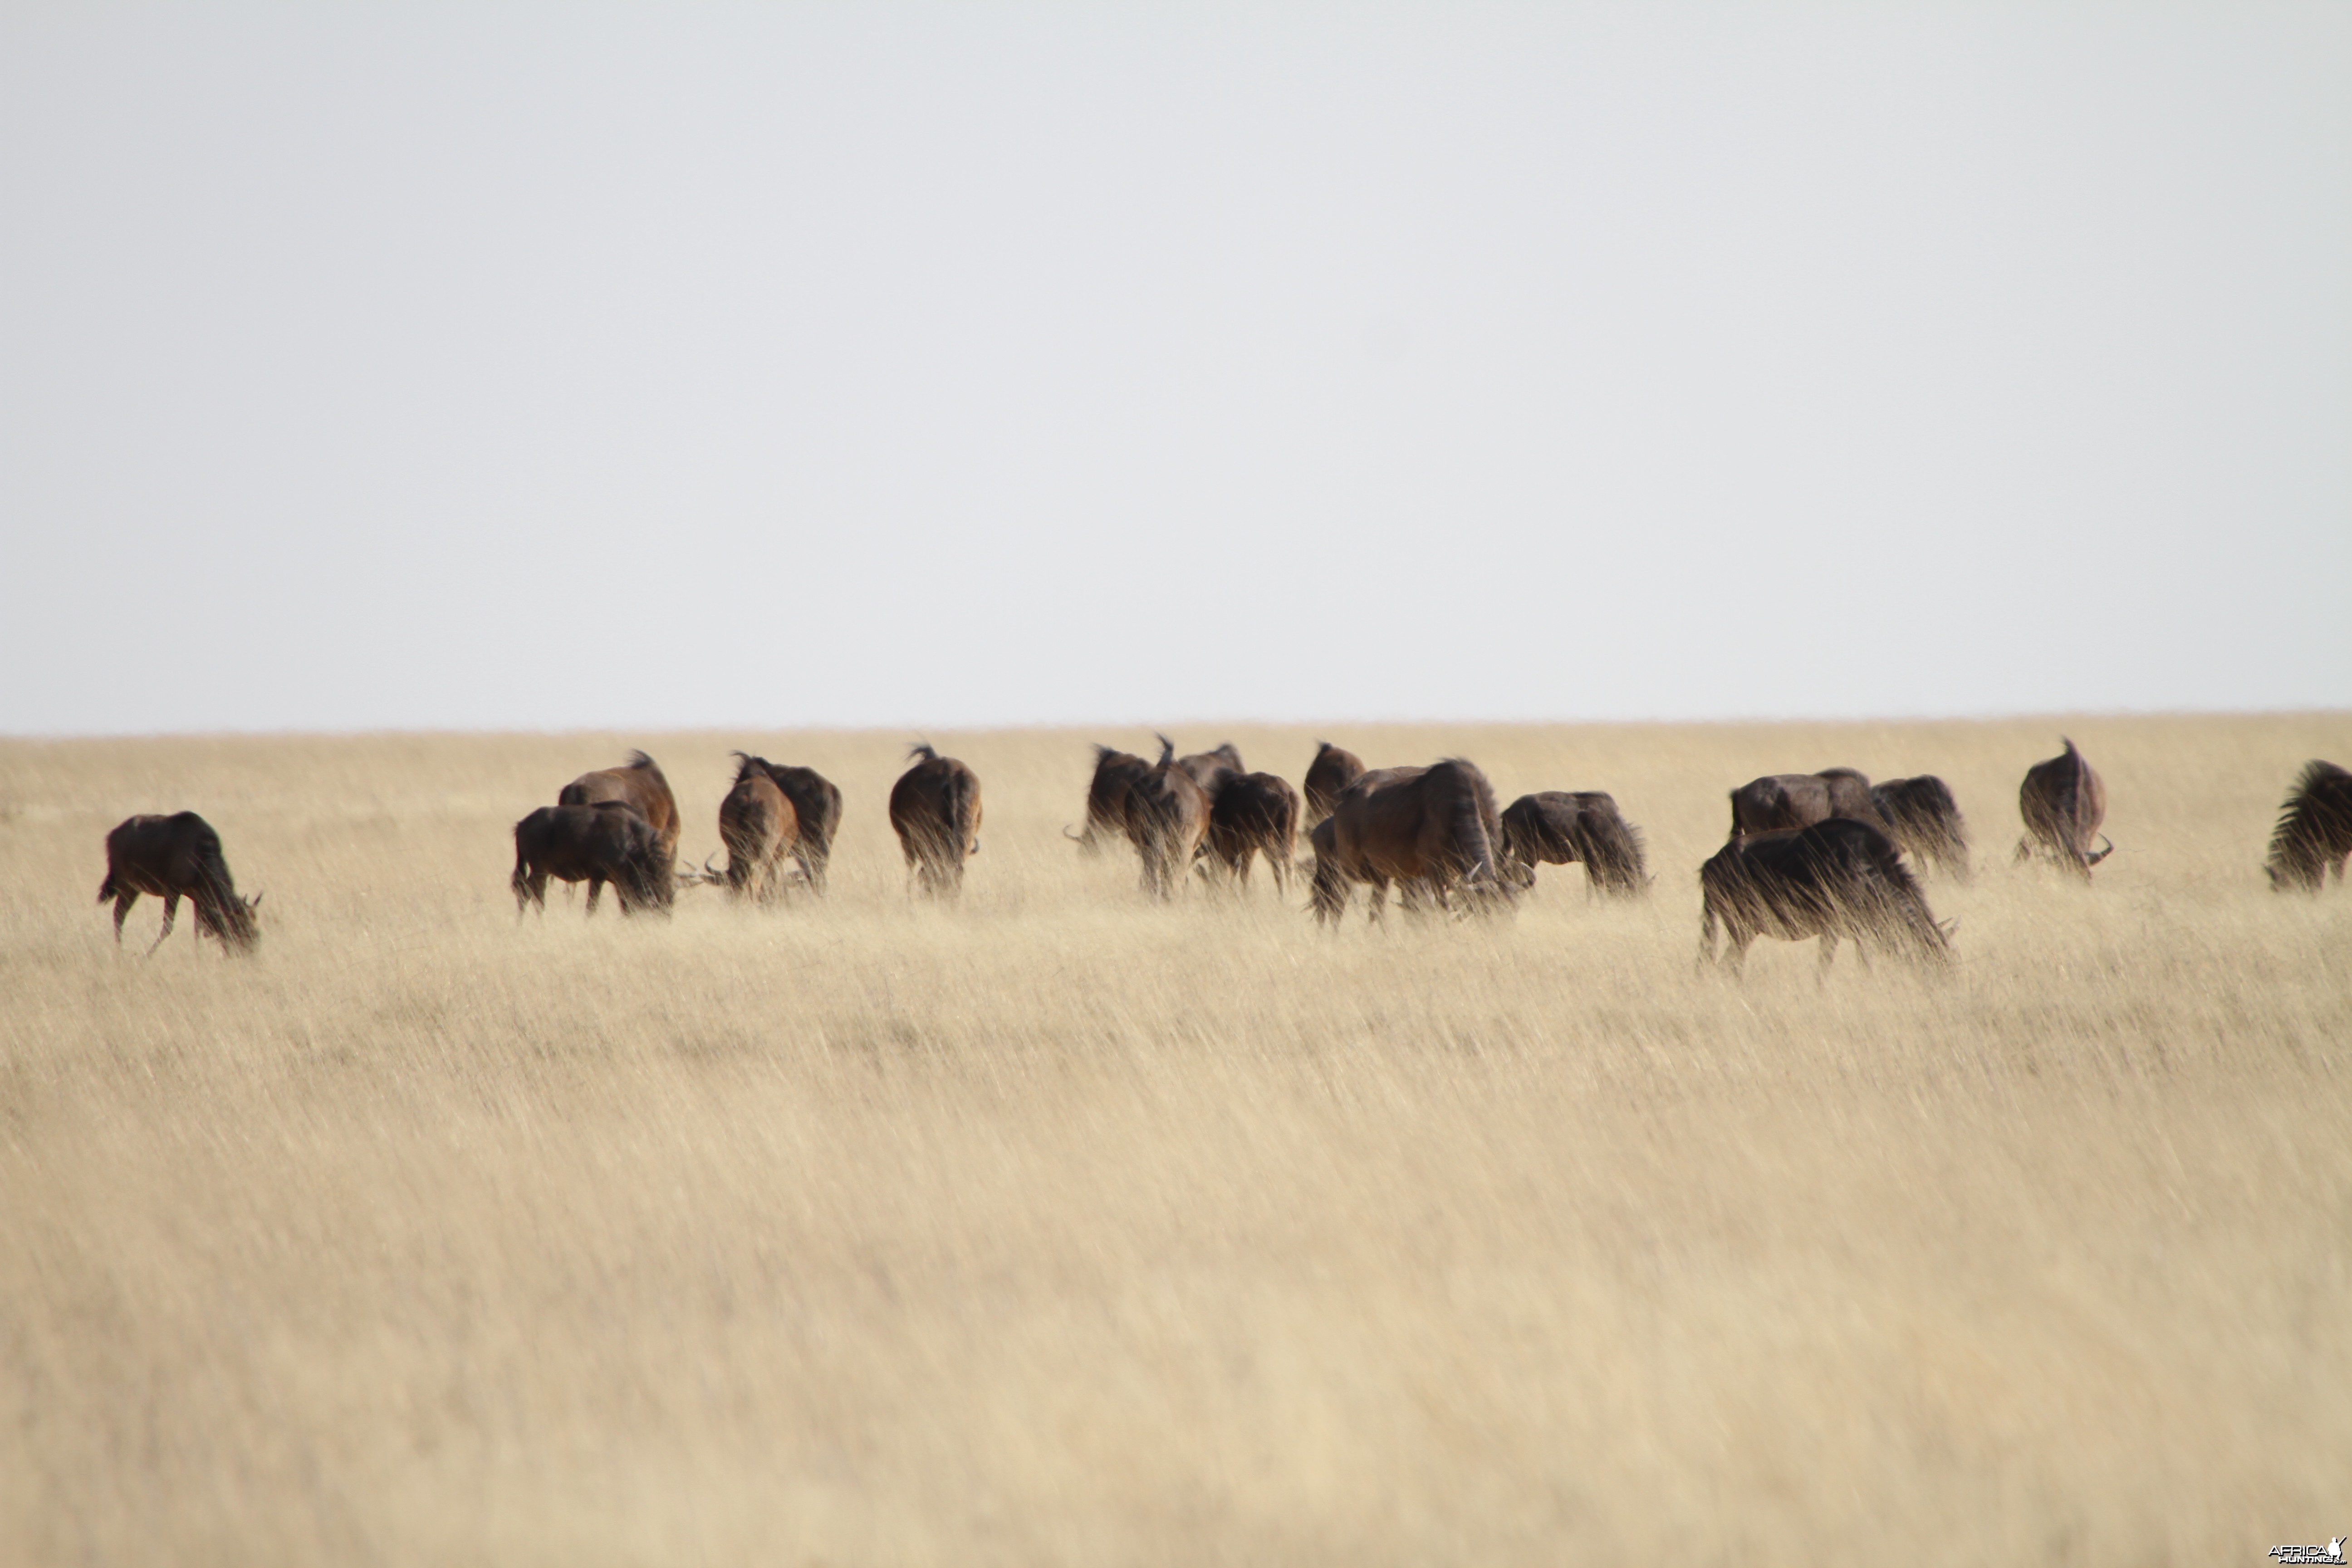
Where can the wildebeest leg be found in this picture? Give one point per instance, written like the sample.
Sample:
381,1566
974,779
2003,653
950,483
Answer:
1828,956
2024,853
122,902
1705,935
595,886
1379,898
1734,950
170,913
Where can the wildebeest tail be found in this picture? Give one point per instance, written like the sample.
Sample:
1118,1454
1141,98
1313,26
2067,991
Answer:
924,750
1471,808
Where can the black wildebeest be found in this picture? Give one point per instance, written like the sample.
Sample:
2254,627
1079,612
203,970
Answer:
1115,773
816,814
1778,801
639,784
1332,770
758,826
1254,814
2064,801
171,858
1921,817
2315,829
935,811
1167,820
1433,829
1556,828
1837,878
606,842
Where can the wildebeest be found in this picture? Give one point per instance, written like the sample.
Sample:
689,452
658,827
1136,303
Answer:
758,826
1167,820
2315,829
2064,802
1254,814
935,811
171,858
606,842
1923,818
1332,770
1837,878
1778,801
639,784
1556,828
1115,773
816,814
1433,830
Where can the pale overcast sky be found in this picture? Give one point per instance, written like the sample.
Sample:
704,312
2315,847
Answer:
582,365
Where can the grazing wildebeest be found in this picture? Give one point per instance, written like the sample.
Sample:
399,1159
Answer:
1838,878
1921,817
758,826
1778,801
1254,814
170,858
935,811
1115,775
2064,802
1433,829
1332,770
606,842
2315,829
1556,828
1167,819
816,815
639,784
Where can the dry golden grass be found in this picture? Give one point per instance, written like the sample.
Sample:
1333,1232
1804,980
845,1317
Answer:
1060,1228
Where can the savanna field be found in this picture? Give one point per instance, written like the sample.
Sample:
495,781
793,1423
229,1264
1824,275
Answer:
1057,1226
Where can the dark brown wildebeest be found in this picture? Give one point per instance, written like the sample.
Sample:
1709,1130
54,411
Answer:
1332,770
637,783
1167,819
1839,878
1254,814
1556,828
2315,829
935,811
1115,775
173,856
1921,817
1434,830
606,842
1778,801
816,814
758,826
2064,801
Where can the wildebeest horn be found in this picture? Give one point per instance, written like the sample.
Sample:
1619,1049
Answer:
2094,859
1074,837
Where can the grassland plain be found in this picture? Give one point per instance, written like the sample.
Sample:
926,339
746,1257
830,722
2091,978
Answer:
1057,1228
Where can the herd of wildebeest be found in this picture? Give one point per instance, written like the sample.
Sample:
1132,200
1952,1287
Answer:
1827,855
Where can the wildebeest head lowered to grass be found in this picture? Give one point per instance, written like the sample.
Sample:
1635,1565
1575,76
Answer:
2315,829
1558,827
1332,770
2064,801
1838,878
1921,817
1115,773
606,842
935,811
1433,830
759,827
171,858
1167,820
637,783
1779,801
